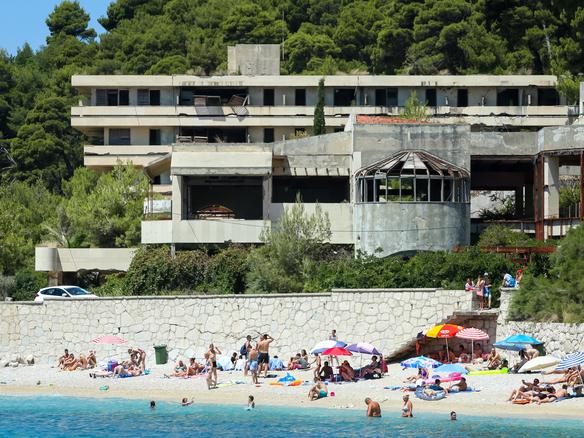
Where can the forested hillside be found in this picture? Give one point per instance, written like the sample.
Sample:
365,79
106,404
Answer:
41,152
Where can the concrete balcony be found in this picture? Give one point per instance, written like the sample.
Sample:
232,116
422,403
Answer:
222,230
340,216
76,259
203,231
108,156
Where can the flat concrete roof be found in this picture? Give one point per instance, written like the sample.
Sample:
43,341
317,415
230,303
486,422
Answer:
312,81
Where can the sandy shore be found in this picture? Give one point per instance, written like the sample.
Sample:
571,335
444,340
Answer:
494,390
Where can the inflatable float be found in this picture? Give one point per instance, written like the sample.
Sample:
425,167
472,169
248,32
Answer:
438,395
487,372
451,378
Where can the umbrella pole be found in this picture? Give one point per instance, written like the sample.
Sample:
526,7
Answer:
447,354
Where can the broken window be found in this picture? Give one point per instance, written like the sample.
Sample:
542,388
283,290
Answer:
413,176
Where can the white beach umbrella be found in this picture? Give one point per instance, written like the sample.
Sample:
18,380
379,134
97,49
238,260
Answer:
539,363
325,345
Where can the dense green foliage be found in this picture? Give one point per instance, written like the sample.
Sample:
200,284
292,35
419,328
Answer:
558,296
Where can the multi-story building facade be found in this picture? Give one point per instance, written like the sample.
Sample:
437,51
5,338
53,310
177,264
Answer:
232,152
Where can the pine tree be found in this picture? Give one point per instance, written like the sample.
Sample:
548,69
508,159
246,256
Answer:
319,126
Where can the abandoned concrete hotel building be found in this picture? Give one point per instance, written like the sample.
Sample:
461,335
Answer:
230,153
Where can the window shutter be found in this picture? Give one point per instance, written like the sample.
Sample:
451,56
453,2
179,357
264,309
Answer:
143,97
100,97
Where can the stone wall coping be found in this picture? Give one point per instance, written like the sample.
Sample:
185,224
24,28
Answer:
230,296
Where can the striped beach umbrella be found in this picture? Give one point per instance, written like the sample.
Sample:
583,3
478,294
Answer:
325,345
571,361
472,334
109,340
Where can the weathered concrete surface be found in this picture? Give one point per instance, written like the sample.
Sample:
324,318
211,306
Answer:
415,226
75,259
568,137
449,142
385,317
254,59
503,143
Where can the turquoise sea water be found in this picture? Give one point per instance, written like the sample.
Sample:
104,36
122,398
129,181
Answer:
49,417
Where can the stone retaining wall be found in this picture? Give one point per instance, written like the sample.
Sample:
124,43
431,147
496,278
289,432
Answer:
559,339
385,317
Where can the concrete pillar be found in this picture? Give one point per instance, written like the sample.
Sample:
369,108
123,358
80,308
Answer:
519,209
267,196
178,212
529,210
551,184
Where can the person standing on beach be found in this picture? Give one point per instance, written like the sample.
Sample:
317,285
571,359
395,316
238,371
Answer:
244,351
253,365
264,353
212,354
318,362
373,408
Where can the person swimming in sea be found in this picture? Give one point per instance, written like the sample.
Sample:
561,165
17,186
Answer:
185,402
250,402
152,404
453,416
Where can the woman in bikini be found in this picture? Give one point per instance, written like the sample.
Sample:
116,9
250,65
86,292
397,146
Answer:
212,354
138,356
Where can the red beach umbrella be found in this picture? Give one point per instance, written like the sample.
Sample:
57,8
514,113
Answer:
444,331
337,351
109,340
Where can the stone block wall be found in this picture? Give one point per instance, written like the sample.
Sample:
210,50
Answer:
187,324
559,339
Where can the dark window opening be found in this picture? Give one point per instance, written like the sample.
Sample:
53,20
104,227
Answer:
548,96
155,97
200,96
112,97
269,99
241,197
268,135
462,97
508,97
214,135
324,189
392,97
431,97
124,98
300,97
154,137
119,136
344,97
380,97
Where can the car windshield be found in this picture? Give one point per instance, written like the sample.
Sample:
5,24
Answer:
76,291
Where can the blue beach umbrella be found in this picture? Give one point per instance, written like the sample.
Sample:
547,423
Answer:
450,368
509,346
325,345
571,361
521,339
420,362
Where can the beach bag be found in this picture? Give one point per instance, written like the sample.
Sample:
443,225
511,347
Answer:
111,365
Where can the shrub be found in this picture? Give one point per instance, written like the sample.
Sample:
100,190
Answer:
26,284
150,271
190,269
228,269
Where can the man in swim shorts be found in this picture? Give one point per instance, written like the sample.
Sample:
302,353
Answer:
253,364
264,353
373,408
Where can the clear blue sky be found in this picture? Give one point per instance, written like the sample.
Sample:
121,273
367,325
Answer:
24,21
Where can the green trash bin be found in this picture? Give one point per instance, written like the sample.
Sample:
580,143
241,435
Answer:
161,354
